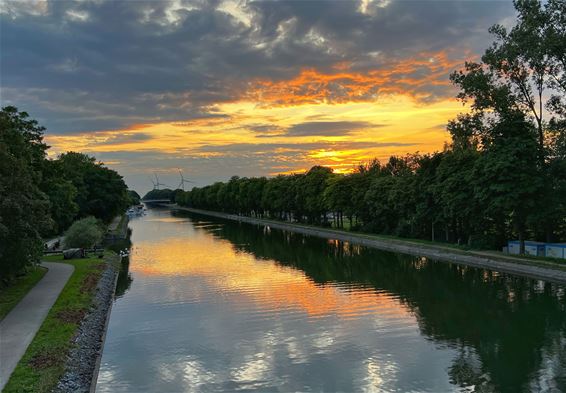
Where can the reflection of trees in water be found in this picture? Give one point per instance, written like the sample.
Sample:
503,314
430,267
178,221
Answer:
124,277
509,331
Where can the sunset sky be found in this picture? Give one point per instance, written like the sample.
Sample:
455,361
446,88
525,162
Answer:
222,88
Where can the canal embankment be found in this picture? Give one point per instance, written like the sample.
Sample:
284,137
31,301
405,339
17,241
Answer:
63,353
538,269
83,361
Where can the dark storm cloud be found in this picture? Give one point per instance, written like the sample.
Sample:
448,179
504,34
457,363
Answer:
107,64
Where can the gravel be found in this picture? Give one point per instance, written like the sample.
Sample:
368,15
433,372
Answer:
82,359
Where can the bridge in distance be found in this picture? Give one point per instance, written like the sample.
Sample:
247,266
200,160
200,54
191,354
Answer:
156,201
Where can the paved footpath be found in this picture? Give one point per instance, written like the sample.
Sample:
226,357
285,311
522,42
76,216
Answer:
18,328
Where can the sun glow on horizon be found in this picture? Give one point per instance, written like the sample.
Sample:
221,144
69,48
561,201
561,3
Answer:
392,125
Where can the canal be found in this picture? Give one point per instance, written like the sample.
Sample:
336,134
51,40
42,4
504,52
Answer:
214,305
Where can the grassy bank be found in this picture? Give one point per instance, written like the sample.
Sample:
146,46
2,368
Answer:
43,363
11,295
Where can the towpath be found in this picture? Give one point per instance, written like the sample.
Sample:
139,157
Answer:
19,327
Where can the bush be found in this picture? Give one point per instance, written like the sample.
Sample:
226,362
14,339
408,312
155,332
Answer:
84,233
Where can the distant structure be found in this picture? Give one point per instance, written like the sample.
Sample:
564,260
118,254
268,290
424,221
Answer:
555,250
156,183
183,180
538,249
531,248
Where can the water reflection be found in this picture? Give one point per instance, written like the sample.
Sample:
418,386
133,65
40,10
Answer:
125,279
224,306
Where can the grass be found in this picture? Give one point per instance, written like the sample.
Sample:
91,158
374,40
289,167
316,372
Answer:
44,361
12,294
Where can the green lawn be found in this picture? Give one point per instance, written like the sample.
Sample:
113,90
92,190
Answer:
43,363
11,295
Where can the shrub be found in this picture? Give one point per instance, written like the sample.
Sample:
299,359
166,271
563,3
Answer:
84,233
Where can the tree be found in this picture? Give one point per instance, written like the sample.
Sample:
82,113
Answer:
165,193
84,233
506,181
24,209
62,195
135,198
454,190
101,192
519,88
523,70
337,196
310,192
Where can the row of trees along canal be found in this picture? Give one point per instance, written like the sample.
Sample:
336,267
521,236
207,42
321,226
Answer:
503,176
41,197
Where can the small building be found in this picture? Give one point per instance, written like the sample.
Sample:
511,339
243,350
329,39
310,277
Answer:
531,248
555,250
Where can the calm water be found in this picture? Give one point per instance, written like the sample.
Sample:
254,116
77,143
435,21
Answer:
213,305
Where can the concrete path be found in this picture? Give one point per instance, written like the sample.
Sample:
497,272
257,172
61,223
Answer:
18,328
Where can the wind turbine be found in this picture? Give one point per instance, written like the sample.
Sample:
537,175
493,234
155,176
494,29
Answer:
152,182
157,183
183,180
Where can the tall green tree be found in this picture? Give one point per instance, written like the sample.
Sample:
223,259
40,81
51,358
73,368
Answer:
521,79
24,209
101,191
61,193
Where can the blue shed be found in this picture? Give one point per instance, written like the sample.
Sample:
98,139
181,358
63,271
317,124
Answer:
555,250
531,248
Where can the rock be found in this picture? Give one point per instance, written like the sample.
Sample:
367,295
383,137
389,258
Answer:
72,253
82,360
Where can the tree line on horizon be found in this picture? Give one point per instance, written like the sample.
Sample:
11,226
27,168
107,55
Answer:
502,177
42,197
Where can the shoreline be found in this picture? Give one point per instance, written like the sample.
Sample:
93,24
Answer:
503,264
83,362
96,370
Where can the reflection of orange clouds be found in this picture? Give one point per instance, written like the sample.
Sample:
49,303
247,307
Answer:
269,285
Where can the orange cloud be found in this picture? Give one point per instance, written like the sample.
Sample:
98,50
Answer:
410,77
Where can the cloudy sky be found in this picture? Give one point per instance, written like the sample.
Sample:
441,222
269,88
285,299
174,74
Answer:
222,88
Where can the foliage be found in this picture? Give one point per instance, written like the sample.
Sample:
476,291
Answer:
40,196
62,195
24,208
518,117
165,193
101,192
134,197
84,233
